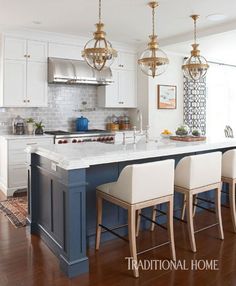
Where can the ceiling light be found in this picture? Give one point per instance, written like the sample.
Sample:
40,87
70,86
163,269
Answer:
98,52
196,66
153,61
216,17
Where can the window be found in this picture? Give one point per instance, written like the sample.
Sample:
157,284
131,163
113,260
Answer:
221,99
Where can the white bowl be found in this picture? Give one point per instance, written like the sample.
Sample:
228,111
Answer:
165,135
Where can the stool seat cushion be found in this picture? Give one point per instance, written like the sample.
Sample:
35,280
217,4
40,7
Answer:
229,164
198,171
142,182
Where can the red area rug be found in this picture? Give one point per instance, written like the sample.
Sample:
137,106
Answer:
15,209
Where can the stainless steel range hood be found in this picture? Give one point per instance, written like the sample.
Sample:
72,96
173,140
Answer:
76,72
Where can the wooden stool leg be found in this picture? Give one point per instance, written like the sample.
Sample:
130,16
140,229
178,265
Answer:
183,208
99,221
170,226
132,238
138,220
154,215
232,203
194,207
218,211
189,208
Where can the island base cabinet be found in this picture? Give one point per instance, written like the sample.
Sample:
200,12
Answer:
57,212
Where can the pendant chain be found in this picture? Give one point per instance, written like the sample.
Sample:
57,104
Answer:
195,31
100,10
153,21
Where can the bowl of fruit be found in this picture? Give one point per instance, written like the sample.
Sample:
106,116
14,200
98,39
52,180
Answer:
166,133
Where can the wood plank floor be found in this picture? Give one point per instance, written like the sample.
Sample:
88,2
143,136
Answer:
25,260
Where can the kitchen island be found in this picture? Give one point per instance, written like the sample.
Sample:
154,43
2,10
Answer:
62,183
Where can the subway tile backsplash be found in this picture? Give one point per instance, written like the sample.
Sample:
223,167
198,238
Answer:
64,106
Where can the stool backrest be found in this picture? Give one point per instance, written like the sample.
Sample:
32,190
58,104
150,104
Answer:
229,164
199,170
142,182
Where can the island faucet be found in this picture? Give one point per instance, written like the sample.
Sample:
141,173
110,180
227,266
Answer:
140,120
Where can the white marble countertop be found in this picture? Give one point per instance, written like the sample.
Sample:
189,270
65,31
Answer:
70,156
25,136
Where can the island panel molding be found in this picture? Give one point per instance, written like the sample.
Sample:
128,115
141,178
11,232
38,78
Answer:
195,104
166,96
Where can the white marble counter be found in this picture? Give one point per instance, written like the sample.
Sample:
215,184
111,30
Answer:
87,154
25,136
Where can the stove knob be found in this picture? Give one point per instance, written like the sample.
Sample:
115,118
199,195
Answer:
94,140
79,141
111,139
60,142
99,139
65,141
107,138
103,139
74,141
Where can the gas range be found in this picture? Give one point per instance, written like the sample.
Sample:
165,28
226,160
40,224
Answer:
93,135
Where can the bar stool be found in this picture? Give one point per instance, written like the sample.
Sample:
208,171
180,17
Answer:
139,186
195,175
229,177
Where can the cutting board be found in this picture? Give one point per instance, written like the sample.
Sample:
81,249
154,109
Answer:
188,138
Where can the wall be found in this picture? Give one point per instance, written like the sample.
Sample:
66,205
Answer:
63,105
147,98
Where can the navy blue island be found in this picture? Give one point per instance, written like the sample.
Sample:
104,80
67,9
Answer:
62,180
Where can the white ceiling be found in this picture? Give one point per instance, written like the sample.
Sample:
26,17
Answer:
219,48
126,20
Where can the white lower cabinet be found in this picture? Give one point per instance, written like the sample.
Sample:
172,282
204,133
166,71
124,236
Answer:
13,164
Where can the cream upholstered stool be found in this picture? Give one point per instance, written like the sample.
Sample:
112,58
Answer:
139,186
195,175
229,177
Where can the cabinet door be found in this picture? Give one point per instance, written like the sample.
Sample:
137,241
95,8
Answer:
125,61
37,51
15,49
108,96
63,51
36,84
14,83
127,89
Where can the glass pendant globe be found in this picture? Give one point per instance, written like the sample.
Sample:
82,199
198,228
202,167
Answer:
153,62
195,68
99,54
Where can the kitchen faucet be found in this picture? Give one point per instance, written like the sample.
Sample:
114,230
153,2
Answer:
140,119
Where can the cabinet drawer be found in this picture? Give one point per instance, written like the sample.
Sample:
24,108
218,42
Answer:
17,176
20,144
16,158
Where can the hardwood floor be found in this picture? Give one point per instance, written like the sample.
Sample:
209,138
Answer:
25,260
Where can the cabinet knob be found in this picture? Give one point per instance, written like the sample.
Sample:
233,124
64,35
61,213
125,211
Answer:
28,56
24,100
28,100
25,56
121,102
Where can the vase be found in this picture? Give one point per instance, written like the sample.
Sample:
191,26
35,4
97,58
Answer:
30,128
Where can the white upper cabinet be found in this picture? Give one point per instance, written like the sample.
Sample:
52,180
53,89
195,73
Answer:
37,51
64,51
36,84
123,92
125,61
15,49
14,83
25,73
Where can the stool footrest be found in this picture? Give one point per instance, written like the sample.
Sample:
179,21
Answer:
211,202
154,247
113,232
149,219
206,209
204,228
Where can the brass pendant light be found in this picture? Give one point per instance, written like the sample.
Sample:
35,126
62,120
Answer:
153,61
98,52
196,66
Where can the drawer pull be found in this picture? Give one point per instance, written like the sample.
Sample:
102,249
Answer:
31,144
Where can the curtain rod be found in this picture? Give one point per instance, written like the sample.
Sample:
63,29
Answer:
217,63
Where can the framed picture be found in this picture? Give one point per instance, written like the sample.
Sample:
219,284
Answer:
166,96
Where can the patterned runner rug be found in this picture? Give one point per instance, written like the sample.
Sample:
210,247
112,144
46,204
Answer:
15,209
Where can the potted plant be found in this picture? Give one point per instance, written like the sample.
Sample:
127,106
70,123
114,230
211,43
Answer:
30,126
183,130
39,128
196,132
